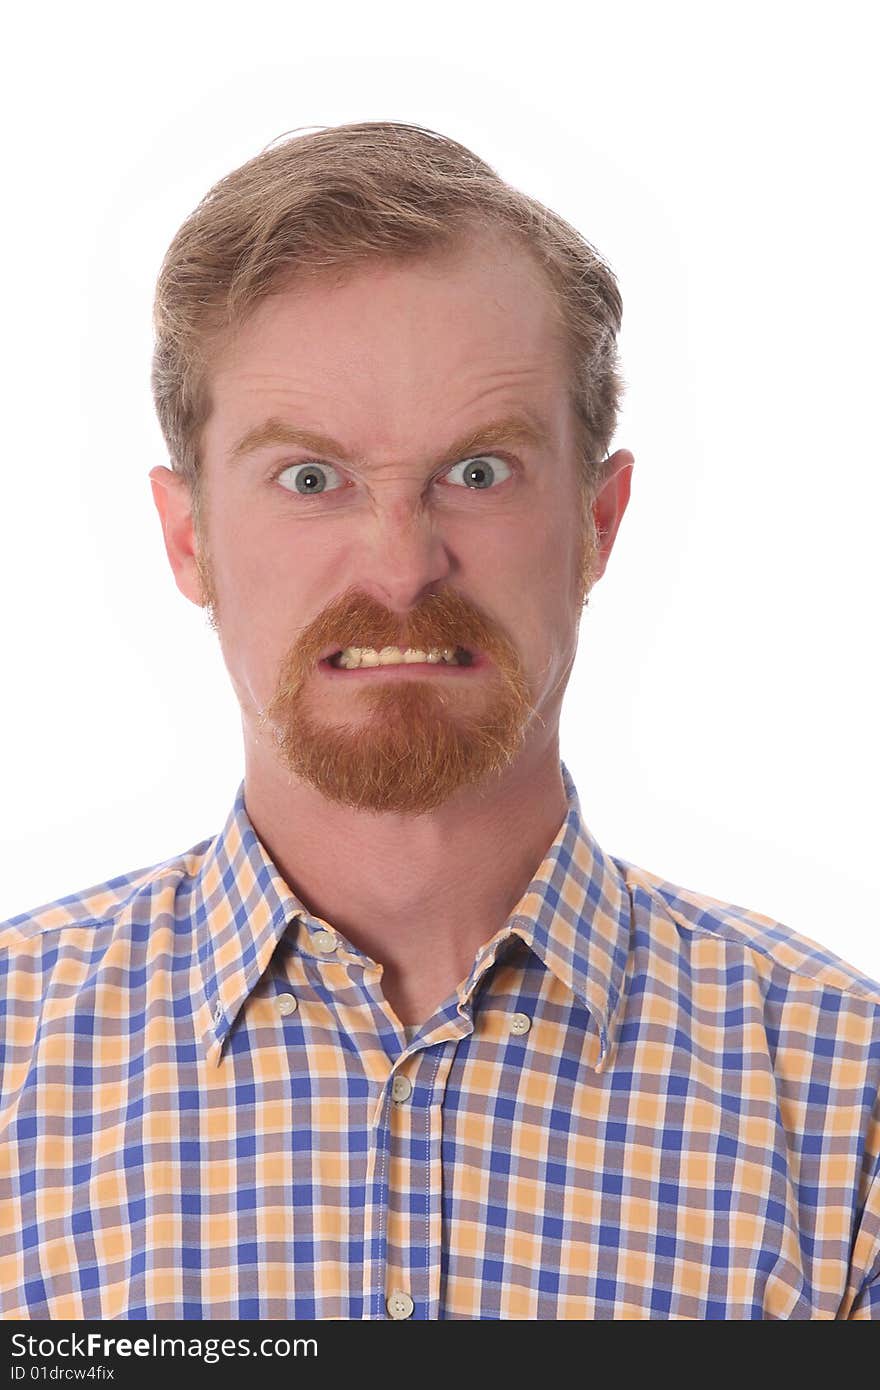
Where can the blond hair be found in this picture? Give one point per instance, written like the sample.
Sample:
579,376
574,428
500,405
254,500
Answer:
343,196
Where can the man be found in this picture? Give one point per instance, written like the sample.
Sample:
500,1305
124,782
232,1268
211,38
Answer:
403,1041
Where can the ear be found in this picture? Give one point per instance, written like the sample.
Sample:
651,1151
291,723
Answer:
609,505
173,500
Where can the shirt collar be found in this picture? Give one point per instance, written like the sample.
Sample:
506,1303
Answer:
242,908
575,916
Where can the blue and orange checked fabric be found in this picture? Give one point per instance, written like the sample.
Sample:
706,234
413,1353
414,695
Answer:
642,1103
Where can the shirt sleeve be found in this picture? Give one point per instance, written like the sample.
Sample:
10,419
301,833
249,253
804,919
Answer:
865,1261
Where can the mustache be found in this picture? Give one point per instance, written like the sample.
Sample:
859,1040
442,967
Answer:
444,619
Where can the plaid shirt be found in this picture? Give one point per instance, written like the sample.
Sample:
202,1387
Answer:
641,1103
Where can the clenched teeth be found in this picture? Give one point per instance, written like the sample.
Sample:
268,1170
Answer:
351,658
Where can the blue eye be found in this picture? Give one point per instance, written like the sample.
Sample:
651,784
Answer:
310,478
480,474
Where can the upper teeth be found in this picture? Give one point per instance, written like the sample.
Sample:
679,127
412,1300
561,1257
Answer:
352,657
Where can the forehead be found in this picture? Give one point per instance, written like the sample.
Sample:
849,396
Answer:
385,352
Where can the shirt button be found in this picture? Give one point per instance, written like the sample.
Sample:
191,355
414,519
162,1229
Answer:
399,1305
401,1089
325,942
286,1004
218,1011
520,1023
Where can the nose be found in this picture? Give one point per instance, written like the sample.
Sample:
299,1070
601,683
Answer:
402,555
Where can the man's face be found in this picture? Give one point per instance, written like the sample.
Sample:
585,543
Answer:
401,542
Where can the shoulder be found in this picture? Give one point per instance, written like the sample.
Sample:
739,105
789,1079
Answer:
90,914
79,967
698,923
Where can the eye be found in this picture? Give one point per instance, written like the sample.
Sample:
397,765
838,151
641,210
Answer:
310,478
480,474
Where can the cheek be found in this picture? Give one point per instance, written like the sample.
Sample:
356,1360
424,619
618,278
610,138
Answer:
546,561
258,559
260,597
550,587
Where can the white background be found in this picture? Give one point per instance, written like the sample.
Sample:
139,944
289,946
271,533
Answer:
720,724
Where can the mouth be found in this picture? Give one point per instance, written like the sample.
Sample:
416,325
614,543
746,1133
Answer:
366,662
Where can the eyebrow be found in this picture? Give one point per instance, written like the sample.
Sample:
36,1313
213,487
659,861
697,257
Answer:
512,429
